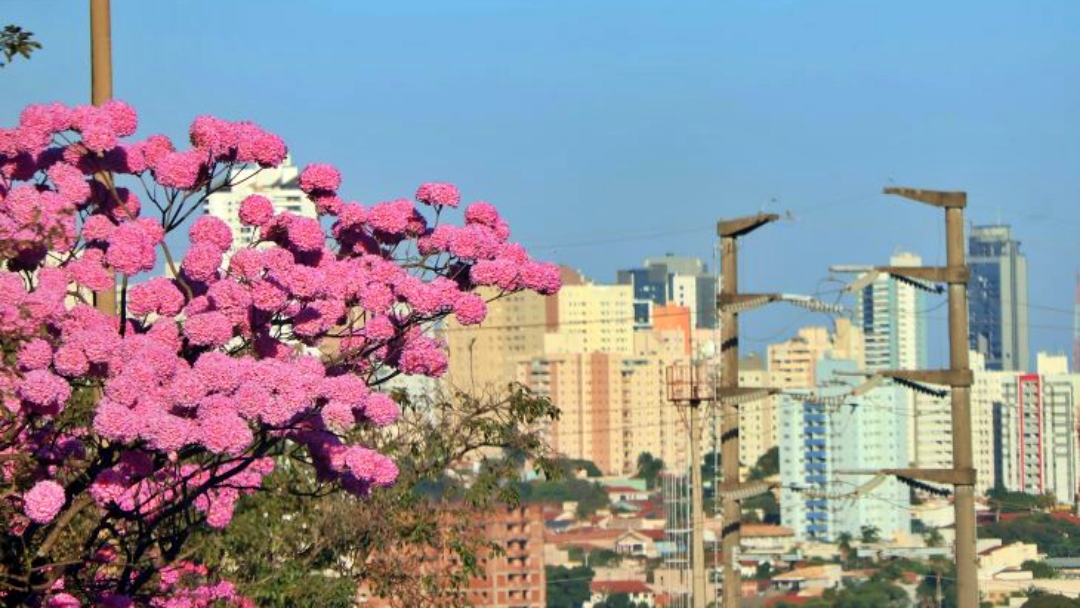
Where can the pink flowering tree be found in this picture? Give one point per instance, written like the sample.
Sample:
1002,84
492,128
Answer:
121,434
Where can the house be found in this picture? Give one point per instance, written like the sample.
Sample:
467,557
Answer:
767,540
639,543
809,578
637,592
626,494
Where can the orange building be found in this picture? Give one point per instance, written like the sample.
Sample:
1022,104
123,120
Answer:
672,317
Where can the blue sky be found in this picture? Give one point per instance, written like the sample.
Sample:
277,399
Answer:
607,131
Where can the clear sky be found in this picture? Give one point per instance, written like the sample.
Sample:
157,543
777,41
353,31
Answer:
607,131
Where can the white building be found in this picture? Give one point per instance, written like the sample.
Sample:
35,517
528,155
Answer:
1036,445
933,425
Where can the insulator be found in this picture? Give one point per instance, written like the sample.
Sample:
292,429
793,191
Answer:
817,306
747,491
925,487
746,397
937,289
921,388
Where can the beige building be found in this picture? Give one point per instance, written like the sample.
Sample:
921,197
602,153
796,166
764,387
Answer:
793,363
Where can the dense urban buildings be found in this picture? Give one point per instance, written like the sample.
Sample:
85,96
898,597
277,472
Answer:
824,446
997,298
672,279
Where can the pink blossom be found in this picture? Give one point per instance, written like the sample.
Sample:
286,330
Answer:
98,228
423,356
256,210
224,433
542,278
208,329
44,501
70,183
216,136
71,362
202,261
396,218
180,169
131,247
257,146
380,409
63,600
158,295
124,118
438,194
320,177
89,271
327,204
267,296
306,234
246,264
212,230
44,391
35,354
470,309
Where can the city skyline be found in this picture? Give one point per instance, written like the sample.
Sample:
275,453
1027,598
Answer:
690,111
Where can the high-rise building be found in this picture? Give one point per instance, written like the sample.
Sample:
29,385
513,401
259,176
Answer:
820,444
888,312
676,280
281,185
1036,441
613,408
997,298
933,425
792,363
1076,328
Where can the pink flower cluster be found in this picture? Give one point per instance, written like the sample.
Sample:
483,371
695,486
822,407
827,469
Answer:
205,372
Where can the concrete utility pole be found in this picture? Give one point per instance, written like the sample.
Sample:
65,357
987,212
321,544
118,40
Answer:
958,377
100,92
729,231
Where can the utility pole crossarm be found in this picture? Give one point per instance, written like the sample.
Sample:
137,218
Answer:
744,225
941,377
935,274
936,198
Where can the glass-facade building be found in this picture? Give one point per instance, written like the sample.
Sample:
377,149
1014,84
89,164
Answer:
997,298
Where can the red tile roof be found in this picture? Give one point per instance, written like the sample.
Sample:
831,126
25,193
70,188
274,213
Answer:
612,587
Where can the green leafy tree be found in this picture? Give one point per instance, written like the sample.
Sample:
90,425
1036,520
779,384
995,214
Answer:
619,600
1040,569
765,503
939,584
296,543
589,495
768,465
1005,501
1051,601
932,537
568,587
872,594
16,42
649,469
869,534
1054,537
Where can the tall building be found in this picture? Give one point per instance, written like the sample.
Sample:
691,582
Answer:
1036,445
888,312
1076,328
676,280
997,298
933,425
484,357
280,185
793,363
613,408
818,443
